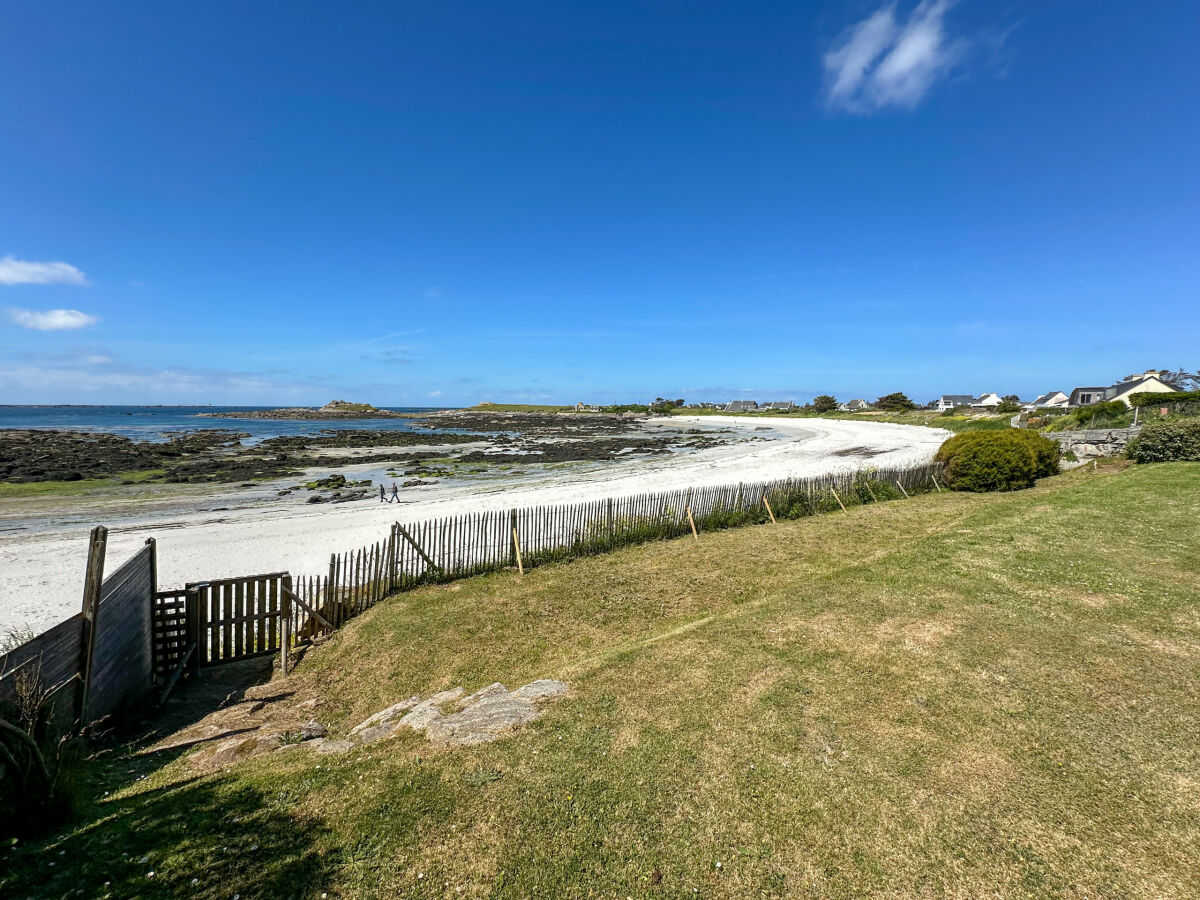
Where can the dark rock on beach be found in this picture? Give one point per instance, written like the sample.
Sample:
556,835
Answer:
335,409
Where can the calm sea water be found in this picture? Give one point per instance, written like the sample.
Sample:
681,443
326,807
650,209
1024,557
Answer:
155,423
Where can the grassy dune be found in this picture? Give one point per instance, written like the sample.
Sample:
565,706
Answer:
958,695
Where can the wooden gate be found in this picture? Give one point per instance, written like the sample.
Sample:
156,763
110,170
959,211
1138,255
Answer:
239,618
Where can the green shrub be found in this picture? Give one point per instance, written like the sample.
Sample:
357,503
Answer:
1166,442
997,460
896,402
1158,398
824,403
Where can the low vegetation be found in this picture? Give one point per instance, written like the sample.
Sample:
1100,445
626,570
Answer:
998,460
1171,441
519,408
960,695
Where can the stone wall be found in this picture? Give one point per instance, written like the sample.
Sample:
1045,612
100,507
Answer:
1095,443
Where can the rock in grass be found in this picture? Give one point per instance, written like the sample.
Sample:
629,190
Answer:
386,715
495,689
542,689
483,721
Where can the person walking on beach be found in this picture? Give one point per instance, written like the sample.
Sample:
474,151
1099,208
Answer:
382,493
395,493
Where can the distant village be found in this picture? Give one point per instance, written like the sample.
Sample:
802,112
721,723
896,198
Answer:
1150,381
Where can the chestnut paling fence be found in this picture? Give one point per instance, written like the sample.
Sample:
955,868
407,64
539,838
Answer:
445,549
132,636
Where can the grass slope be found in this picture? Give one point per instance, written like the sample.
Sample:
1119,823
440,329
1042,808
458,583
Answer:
958,695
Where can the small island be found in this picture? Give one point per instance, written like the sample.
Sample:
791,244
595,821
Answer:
335,409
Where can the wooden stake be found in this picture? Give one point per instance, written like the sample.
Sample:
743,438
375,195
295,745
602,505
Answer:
93,581
837,498
935,483
768,506
695,533
874,499
902,490
425,556
287,591
517,550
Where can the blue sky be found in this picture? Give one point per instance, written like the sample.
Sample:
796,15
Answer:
421,204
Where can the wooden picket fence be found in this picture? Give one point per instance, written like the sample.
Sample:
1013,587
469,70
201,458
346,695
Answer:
446,549
132,636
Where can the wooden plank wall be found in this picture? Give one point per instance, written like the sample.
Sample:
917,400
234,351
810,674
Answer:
57,653
123,653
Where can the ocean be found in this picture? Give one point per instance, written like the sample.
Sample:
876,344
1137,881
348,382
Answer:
157,423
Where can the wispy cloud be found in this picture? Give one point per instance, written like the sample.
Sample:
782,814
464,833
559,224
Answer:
52,319
22,271
888,60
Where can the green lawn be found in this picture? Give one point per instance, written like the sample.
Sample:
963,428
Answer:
953,696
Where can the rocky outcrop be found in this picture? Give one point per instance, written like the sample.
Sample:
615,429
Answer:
335,409
446,719
1095,443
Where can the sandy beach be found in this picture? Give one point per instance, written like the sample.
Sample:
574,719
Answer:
41,571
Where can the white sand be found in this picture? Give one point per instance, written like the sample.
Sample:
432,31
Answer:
41,574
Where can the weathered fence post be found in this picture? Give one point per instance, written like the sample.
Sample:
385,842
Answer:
392,580
285,625
612,536
833,491
191,608
331,592
695,533
93,581
902,490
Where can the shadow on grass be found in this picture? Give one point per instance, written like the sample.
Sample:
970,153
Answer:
211,837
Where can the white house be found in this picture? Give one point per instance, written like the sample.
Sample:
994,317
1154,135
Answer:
1053,400
1149,382
854,405
987,401
952,401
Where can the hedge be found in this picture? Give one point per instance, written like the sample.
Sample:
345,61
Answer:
1166,442
997,460
1153,398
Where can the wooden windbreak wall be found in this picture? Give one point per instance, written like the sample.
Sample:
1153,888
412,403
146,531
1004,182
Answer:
122,668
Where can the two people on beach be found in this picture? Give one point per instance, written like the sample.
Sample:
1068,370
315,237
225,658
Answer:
383,497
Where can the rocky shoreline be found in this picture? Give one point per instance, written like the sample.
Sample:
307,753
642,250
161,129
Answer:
336,409
219,455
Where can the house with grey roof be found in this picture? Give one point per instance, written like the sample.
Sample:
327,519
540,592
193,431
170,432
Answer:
953,401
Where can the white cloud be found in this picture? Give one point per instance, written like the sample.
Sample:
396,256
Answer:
21,271
884,61
52,319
